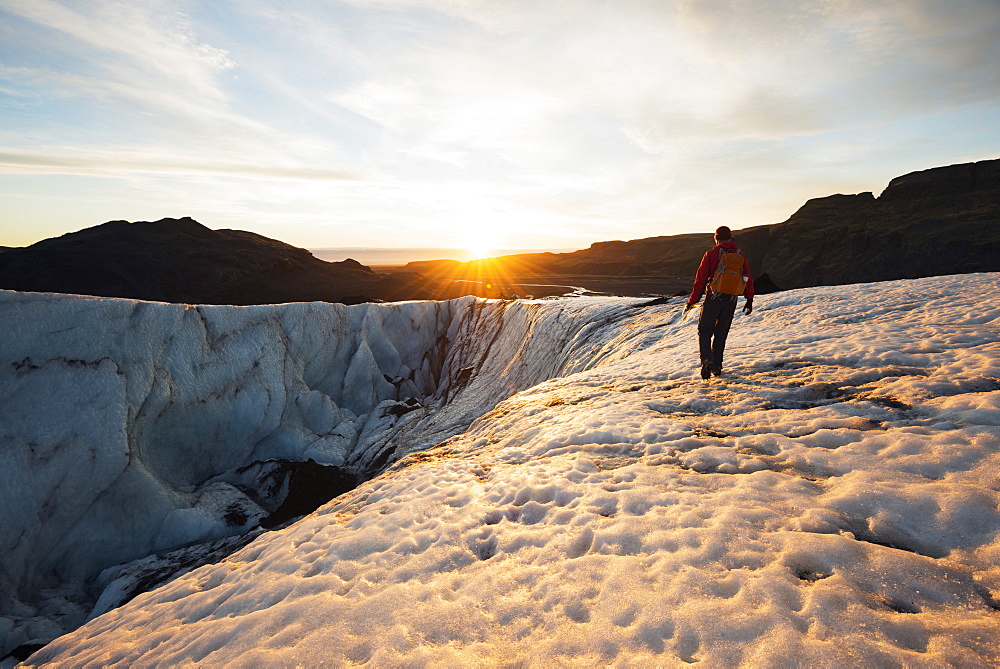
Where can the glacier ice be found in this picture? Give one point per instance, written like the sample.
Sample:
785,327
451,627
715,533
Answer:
552,482
125,424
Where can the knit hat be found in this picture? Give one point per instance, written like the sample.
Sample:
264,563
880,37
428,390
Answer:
723,232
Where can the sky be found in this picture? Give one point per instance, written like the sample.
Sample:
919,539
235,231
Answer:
479,123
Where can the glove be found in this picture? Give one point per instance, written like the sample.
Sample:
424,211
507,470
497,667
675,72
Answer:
748,307
689,307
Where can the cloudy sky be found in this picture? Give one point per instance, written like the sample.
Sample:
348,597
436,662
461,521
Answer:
519,123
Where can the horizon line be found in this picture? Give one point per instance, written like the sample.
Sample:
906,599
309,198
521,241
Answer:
375,255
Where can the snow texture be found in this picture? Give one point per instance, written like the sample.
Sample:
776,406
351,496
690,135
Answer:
833,500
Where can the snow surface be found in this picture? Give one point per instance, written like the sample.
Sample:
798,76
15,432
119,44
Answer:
835,499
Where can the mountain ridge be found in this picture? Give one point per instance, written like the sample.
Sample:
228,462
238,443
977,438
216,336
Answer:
182,261
939,221
925,223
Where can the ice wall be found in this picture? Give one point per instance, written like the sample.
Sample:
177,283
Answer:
124,425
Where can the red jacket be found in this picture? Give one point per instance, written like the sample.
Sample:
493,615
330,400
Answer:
710,263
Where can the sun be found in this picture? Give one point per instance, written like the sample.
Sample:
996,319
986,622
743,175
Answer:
479,244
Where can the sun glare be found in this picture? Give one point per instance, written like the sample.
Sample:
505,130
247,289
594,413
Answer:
478,245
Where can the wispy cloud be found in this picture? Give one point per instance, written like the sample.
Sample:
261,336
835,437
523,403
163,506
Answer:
147,41
142,65
111,162
570,119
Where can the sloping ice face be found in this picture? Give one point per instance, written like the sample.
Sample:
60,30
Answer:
132,428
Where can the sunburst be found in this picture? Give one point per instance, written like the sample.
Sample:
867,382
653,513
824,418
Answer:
479,243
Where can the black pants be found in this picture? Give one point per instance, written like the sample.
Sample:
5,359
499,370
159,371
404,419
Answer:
713,328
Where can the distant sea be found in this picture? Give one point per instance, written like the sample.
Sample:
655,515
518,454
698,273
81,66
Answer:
374,256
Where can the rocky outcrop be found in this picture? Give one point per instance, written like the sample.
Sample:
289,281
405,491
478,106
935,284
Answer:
939,221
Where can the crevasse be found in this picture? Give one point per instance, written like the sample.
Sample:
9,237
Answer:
132,428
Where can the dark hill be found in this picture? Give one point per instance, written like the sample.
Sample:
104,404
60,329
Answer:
181,260
944,220
939,221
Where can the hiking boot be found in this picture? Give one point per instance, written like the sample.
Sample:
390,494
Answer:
716,370
706,369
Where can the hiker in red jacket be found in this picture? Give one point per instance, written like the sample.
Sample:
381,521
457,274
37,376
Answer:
725,272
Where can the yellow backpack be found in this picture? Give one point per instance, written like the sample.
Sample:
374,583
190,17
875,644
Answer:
729,278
